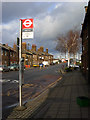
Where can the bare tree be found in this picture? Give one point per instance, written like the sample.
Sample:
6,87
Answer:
77,45
68,43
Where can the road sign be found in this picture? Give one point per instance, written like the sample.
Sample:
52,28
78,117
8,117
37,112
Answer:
27,35
27,29
27,23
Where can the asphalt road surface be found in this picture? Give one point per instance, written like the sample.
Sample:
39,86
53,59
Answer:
35,80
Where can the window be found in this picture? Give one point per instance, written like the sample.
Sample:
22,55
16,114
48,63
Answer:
30,56
42,57
1,52
5,53
10,53
13,54
5,62
83,48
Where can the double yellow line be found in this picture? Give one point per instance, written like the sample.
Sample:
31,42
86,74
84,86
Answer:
54,83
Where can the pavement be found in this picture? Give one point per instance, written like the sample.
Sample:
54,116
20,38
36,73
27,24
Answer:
58,101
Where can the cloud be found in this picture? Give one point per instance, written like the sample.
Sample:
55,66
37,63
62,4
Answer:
54,24
9,32
50,20
58,5
18,10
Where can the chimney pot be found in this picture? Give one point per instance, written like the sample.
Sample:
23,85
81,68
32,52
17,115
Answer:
33,47
15,46
46,50
41,48
86,7
24,46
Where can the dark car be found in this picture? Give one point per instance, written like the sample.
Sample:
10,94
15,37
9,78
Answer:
41,64
14,67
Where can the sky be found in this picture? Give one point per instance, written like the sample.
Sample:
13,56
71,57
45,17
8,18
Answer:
50,20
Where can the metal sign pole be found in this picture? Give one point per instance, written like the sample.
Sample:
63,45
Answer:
27,23
20,72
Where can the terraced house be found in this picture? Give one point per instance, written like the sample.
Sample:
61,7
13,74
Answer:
31,57
35,56
8,55
27,55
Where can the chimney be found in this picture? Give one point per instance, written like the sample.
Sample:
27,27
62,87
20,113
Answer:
82,25
41,48
24,46
46,50
7,44
15,46
86,7
33,47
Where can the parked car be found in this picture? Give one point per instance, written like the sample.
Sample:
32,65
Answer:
72,65
14,67
41,65
45,63
52,63
4,68
75,67
35,65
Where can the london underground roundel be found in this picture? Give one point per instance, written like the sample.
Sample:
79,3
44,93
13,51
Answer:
27,23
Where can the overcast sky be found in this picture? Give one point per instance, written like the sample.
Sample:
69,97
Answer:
50,20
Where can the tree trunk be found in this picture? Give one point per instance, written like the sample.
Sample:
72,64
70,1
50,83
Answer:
65,55
74,59
68,59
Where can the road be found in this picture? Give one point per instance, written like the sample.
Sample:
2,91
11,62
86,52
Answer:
35,80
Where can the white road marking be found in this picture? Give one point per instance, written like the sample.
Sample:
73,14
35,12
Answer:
10,81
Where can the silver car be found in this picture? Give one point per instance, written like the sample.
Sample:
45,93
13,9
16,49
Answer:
4,68
14,67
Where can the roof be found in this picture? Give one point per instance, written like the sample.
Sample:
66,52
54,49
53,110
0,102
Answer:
86,19
26,52
7,47
40,53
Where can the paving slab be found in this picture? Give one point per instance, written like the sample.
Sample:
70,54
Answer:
62,98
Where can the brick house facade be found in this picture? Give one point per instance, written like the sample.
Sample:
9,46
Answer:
27,55
31,57
40,55
8,55
4,52
85,35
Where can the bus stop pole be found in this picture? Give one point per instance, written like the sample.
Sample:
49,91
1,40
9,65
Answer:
20,67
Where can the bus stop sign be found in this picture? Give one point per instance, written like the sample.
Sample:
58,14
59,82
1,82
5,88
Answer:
27,29
27,24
